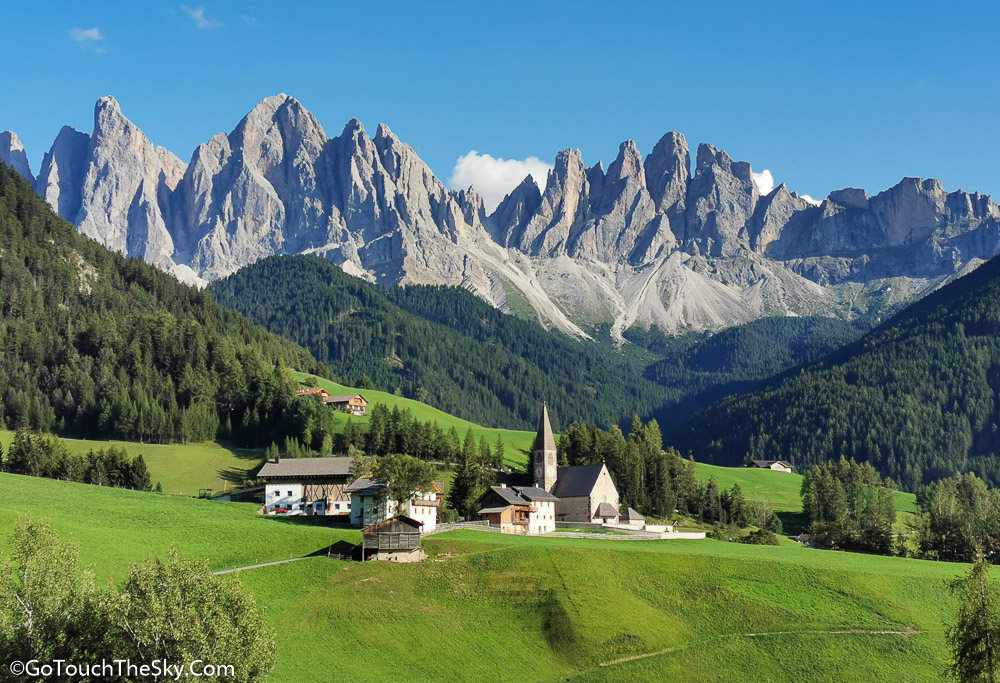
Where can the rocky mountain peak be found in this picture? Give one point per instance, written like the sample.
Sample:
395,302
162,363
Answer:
12,153
720,202
668,171
645,242
628,164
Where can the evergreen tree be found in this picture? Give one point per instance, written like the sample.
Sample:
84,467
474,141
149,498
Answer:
140,479
975,637
498,452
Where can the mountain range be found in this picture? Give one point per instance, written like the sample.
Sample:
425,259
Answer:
646,242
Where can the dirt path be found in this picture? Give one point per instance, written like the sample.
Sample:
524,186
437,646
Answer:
258,566
905,633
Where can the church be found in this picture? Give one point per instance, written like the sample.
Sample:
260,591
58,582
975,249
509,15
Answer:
582,494
585,493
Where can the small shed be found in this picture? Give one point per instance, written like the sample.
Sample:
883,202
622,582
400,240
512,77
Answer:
606,513
395,540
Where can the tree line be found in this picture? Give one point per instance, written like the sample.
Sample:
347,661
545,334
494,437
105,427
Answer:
849,506
440,345
42,455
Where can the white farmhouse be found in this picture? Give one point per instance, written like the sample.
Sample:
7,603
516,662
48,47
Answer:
370,505
306,486
519,509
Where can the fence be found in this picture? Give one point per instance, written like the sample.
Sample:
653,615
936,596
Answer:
481,525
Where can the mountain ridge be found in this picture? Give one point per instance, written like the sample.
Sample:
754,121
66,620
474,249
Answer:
918,397
647,242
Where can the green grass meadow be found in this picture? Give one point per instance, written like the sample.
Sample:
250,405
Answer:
180,468
494,607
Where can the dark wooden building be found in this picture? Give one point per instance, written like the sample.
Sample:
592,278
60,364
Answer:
395,540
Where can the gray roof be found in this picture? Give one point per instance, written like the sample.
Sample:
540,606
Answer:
365,486
306,467
509,496
768,463
544,441
344,398
534,493
632,515
572,482
606,510
493,511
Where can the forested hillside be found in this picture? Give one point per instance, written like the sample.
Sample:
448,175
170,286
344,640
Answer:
97,344
917,397
446,346
453,350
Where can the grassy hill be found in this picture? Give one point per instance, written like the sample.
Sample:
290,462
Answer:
186,468
114,527
507,608
179,468
517,442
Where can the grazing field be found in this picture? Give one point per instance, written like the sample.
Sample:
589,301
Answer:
529,609
517,443
180,468
114,527
783,490
508,608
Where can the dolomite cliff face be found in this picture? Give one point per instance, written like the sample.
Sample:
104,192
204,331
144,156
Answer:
647,242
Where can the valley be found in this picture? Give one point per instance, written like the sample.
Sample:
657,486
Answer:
531,386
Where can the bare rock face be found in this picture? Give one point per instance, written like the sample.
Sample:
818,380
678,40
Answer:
511,217
12,153
721,199
563,207
668,172
643,243
120,190
620,209
60,179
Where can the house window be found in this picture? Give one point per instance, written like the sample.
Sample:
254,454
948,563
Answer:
289,493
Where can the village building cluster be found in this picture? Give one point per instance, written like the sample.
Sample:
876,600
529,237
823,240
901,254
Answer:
584,494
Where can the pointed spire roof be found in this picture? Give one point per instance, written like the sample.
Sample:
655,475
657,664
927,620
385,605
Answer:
544,441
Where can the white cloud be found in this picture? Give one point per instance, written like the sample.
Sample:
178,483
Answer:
764,181
810,200
197,15
88,38
249,20
495,177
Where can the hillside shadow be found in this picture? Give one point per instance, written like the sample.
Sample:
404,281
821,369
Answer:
341,547
792,523
234,475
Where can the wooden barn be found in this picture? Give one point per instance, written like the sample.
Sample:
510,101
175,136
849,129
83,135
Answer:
394,540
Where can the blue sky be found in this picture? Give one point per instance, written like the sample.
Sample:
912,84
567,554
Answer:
826,96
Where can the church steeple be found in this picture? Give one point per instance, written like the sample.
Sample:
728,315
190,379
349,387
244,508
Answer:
543,453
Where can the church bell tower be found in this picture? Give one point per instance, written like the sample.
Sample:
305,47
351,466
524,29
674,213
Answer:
543,453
